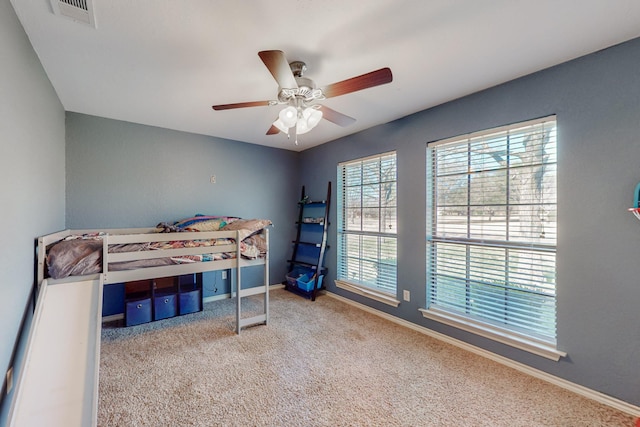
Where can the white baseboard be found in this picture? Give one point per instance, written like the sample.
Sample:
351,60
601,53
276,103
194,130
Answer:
215,298
560,382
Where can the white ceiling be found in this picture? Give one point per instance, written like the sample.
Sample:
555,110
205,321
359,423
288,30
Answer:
166,62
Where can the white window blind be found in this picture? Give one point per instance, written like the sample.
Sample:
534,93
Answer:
492,227
367,222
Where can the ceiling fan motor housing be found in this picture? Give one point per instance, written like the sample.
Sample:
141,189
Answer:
306,91
298,68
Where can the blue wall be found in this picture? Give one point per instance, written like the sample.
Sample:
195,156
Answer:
121,174
32,173
597,102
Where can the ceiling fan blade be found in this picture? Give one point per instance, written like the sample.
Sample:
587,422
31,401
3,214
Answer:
374,78
336,117
277,64
241,105
273,130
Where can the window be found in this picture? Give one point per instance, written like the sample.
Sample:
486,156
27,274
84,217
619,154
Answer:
367,226
491,233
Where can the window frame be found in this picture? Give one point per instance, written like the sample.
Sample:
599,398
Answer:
385,242
459,314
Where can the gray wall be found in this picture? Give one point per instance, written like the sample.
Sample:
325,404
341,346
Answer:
121,174
597,102
32,173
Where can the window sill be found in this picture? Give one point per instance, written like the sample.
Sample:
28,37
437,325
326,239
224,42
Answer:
512,339
368,292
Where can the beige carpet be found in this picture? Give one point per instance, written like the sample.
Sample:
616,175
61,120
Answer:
321,363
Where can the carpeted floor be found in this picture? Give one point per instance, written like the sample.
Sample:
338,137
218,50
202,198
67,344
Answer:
321,363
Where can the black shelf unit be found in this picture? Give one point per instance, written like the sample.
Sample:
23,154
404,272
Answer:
162,298
306,266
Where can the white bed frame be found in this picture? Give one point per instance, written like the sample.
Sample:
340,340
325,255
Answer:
58,384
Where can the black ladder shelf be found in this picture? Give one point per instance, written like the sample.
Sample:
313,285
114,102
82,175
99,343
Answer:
306,266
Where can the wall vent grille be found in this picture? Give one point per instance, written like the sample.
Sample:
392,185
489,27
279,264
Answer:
78,10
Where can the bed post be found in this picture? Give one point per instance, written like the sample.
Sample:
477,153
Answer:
105,256
238,282
42,252
266,277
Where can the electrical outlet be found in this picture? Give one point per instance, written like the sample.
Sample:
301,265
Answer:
224,274
9,379
213,179
406,295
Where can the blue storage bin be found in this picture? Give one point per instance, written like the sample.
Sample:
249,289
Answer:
295,274
165,306
190,302
137,312
307,282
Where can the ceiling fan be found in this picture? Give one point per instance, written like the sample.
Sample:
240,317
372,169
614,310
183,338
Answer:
300,95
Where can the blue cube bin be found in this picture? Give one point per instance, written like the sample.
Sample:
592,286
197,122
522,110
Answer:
137,312
190,302
165,306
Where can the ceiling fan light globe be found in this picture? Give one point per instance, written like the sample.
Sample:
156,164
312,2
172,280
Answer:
302,127
314,117
281,126
306,113
288,116
309,119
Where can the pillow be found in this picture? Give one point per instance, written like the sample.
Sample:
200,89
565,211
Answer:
258,242
192,223
248,226
207,225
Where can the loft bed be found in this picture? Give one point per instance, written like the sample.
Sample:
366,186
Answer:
193,245
58,383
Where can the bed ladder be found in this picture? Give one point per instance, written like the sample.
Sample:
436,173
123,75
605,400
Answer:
263,317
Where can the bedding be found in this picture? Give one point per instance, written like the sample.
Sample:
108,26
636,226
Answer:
78,255
204,223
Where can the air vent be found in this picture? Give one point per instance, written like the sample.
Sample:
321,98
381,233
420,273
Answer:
78,10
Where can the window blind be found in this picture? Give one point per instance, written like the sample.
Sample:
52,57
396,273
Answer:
367,222
492,227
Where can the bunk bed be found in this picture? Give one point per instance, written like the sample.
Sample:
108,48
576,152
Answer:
58,383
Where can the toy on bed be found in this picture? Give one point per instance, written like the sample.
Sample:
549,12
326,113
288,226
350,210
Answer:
82,254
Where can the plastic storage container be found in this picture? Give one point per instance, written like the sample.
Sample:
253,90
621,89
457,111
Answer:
295,274
307,282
